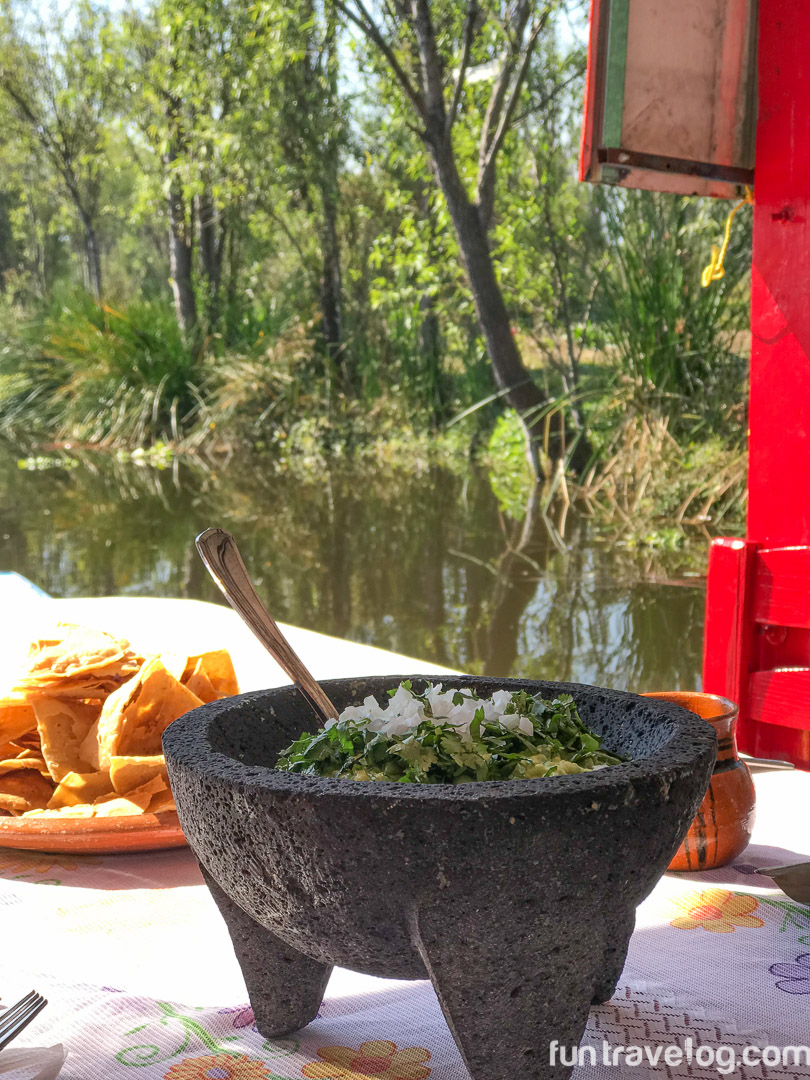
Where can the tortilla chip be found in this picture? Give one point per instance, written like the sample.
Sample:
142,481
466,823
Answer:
29,785
63,726
30,759
199,683
177,664
128,773
134,718
134,802
86,719
24,762
81,650
78,788
83,663
162,803
16,718
94,685
12,805
82,811
29,742
217,667
102,739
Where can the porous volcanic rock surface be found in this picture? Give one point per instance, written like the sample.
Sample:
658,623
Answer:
517,898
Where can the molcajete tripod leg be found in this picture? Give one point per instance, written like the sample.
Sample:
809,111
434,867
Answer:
617,929
285,987
511,989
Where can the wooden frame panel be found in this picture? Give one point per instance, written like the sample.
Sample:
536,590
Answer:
670,100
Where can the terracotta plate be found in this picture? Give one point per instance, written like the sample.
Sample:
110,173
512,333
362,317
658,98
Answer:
99,836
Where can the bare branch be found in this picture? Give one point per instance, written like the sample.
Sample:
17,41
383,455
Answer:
430,68
485,168
494,107
547,99
305,266
469,37
513,30
364,22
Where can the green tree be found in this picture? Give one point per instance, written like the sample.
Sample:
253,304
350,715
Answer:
50,77
186,74
306,127
429,50
549,227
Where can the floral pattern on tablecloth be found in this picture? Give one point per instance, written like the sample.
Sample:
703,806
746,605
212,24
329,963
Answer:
219,1067
718,911
147,986
793,978
41,867
378,1058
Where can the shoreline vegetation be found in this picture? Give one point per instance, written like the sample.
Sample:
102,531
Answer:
227,230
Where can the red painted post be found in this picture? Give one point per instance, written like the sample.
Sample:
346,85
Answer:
779,412
779,417
726,638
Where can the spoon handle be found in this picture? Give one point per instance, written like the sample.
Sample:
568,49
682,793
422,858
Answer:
221,556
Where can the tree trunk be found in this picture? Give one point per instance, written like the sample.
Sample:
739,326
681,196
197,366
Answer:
212,244
329,170
180,262
331,285
93,260
88,212
430,348
430,336
565,311
7,253
511,376
232,278
92,255
37,245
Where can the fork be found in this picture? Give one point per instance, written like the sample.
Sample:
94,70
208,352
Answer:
19,1016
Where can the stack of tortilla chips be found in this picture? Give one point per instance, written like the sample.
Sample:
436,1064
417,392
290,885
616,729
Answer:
80,731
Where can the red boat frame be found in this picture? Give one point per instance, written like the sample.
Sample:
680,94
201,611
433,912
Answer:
757,630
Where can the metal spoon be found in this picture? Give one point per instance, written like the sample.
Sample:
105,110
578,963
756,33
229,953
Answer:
765,764
223,562
793,880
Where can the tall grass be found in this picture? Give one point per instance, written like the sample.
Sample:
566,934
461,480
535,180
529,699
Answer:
94,374
125,376
250,395
676,339
87,372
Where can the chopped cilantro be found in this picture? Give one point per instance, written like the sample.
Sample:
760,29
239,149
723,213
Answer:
437,751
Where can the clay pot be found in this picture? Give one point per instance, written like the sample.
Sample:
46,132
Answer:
722,829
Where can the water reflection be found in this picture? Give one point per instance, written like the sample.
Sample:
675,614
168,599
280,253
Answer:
425,565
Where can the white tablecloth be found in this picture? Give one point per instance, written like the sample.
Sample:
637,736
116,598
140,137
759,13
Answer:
143,983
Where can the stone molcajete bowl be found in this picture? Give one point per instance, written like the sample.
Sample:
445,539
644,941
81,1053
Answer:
517,899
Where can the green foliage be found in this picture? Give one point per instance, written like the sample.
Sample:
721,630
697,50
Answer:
250,395
327,307
124,376
669,334
509,472
53,89
84,371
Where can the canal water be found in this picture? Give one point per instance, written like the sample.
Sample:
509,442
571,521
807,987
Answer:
426,565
